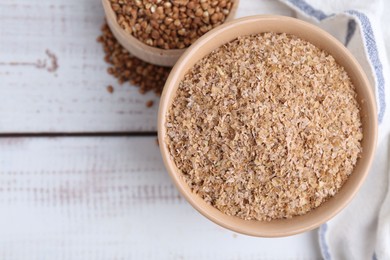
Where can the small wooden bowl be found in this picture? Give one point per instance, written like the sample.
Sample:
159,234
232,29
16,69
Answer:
365,97
143,51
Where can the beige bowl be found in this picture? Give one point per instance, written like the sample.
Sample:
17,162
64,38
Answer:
320,38
143,51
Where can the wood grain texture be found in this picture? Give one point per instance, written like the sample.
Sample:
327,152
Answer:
52,74
110,198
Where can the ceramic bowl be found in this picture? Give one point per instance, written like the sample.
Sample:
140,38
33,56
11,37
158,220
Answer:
365,97
143,51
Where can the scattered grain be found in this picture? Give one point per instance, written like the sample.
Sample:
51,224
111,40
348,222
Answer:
110,89
149,103
126,67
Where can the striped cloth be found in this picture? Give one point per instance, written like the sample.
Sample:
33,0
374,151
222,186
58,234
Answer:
362,230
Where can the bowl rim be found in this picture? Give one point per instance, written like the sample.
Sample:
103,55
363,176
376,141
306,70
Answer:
165,57
165,104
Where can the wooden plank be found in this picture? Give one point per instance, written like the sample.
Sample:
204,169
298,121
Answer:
110,198
52,74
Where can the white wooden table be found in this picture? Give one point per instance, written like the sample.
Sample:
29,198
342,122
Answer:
100,191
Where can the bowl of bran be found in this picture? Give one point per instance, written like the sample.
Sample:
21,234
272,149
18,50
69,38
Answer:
267,126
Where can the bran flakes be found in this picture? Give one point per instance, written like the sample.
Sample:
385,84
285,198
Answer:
265,127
